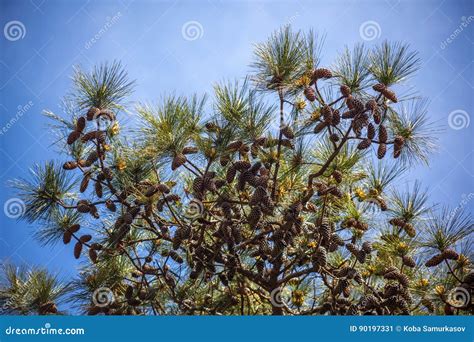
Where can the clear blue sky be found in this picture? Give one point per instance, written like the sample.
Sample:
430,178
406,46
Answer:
147,36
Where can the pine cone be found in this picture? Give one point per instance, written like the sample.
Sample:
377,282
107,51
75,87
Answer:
389,94
190,150
72,137
377,116
321,73
383,136
399,141
380,87
67,235
364,144
92,113
397,221
337,175
408,261
345,90
178,160
110,205
230,175
409,229
80,124
254,215
242,165
310,94
84,182
92,158
77,250
381,151
287,132
70,165
98,189
334,137
450,254
370,131
326,112
336,117
367,247
319,127
352,248
435,260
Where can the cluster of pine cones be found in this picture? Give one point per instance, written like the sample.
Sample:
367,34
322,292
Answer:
242,216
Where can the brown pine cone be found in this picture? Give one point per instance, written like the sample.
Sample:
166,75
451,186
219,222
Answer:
319,127
383,134
77,250
310,94
336,117
178,160
408,261
80,124
334,137
190,150
381,151
389,94
364,144
450,254
326,112
92,113
321,73
371,105
287,132
377,116
435,260
69,165
337,175
380,87
230,175
242,165
370,131
72,137
345,90
367,247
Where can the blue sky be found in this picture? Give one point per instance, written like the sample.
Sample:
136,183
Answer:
151,40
